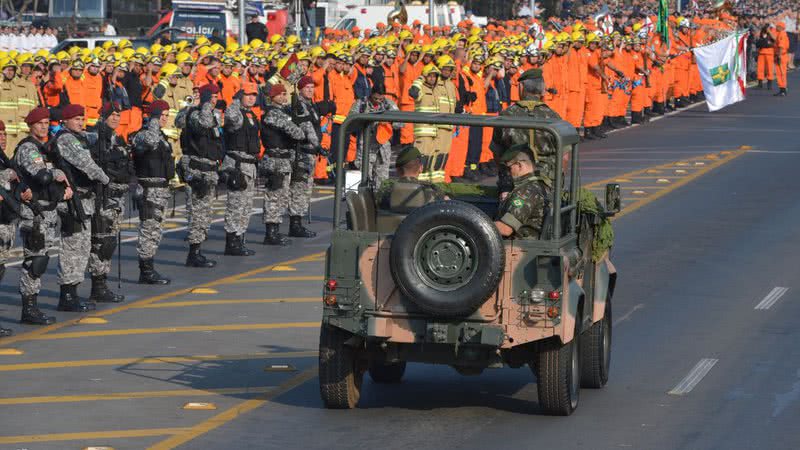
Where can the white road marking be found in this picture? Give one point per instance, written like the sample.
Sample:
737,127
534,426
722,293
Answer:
694,377
627,315
774,295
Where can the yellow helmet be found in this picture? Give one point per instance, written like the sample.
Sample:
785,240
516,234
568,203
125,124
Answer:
405,34
202,40
143,51
282,62
275,38
181,45
303,56
591,37
168,49
429,69
42,52
62,55
217,48
292,39
168,69
7,62
427,50
578,36
72,51
637,27
316,52
445,61
184,57
255,43
128,53
25,58
232,47
108,44
203,51
473,39
124,43
155,48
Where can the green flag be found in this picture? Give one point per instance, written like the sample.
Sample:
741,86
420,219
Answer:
662,27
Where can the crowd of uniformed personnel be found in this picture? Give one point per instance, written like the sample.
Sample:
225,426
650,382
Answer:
198,114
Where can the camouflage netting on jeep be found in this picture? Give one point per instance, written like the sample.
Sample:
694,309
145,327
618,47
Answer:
603,233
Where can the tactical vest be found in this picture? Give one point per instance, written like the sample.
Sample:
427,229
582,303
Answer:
51,193
79,179
203,143
274,138
155,162
112,158
245,139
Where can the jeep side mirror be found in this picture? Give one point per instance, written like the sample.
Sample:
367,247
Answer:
613,200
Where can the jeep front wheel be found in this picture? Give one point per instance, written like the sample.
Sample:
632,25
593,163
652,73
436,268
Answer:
381,372
596,352
340,377
558,377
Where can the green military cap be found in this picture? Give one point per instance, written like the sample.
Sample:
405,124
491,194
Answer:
515,150
407,155
531,74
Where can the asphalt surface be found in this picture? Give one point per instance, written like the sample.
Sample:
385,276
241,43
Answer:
704,355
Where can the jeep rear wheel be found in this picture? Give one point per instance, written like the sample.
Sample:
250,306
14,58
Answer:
558,377
447,257
381,372
596,352
340,377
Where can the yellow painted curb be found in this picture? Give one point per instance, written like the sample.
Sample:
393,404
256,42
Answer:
200,406
92,321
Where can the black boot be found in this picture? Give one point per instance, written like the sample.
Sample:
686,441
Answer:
101,293
658,109
273,237
760,85
234,246
148,275
296,228
31,313
769,85
471,173
588,134
622,122
69,300
598,133
781,92
648,112
196,259
636,117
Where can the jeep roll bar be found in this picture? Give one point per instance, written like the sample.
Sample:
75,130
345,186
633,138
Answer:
564,133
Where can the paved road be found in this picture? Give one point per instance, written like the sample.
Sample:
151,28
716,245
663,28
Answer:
707,293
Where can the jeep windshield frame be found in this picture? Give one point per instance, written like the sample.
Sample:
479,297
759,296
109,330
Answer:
565,135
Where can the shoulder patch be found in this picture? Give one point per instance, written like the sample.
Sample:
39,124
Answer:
517,202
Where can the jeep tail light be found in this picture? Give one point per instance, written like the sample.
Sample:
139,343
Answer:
554,295
552,312
329,299
331,285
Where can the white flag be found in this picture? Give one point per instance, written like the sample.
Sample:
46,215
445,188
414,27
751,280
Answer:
723,70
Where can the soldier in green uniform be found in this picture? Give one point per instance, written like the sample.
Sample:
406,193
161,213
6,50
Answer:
531,89
521,213
408,192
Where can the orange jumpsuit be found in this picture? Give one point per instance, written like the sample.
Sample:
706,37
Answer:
86,91
782,53
576,75
413,71
639,92
596,99
230,86
622,95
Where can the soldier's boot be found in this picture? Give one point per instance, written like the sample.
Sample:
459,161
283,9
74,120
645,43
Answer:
273,237
598,133
101,293
234,246
31,313
769,85
70,302
781,92
148,275
196,259
296,228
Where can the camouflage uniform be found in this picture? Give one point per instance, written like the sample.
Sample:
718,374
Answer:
200,213
150,230
7,230
302,183
29,161
544,143
240,203
75,248
524,208
379,154
278,162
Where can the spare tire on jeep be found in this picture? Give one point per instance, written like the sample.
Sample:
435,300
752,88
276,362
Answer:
447,257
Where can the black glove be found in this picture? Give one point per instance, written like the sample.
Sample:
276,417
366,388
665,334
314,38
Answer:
553,91
205,97
472,97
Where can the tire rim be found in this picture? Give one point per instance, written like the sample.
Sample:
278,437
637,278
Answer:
445,258
574,382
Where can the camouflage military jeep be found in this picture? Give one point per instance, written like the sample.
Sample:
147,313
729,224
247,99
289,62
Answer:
439,285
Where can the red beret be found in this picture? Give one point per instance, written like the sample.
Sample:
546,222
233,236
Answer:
36,115
2,126
305,81
211,87
158,107
109,108
71,111
276,90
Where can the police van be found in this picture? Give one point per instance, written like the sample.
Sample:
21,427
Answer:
368,17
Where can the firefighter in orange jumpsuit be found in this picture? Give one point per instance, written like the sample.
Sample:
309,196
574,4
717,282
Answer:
409,70
596,88
576,75
230,82
781,57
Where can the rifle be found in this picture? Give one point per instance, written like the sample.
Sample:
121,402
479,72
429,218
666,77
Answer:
74,206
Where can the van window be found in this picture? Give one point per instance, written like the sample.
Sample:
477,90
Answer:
66,45
198,23
346,24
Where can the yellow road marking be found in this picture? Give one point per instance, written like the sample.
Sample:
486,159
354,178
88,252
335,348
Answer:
146,301
234,412
118,434
277,279
678,183
133,395
192,359
204,291
232,302
283,269
10,352
185,329
200,406
92,321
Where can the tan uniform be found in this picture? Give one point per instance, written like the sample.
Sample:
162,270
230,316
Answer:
448,96
176,97
28,100
10,93
426,135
